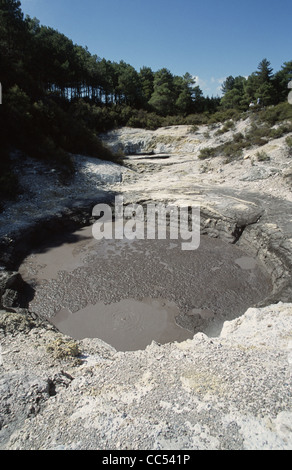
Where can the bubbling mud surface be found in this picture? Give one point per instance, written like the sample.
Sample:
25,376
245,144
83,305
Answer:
132,292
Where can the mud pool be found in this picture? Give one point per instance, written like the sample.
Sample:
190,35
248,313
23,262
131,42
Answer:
132,292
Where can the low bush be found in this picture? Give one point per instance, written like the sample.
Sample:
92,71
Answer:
227,127
238,137
64,349
144,120
257,135
231,150
289,144
194,129
225,115
274,114
281,130
262,156
196,119
207,152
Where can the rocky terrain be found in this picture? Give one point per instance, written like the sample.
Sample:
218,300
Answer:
229,392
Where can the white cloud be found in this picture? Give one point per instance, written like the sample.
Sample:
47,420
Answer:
219,82
210,86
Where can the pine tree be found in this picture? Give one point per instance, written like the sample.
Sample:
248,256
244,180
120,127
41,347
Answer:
228,84
163,96
281,80
264,72
146,76
184,92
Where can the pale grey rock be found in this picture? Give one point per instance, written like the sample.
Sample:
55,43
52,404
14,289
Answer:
258,174
229,392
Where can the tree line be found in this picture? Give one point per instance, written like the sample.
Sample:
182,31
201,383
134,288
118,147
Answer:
261,87
43,60
58,97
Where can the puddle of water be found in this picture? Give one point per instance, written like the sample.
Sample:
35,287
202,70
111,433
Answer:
131,292
246,262
127,325
64,256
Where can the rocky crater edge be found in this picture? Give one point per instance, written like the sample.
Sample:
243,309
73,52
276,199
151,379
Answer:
230,392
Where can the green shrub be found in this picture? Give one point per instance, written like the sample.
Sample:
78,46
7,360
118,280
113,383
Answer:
289,144
144,120
274,114
281,130
194,129
195,119
258,135
207,152
232,150
261,134
225,115
238,137
262,156
227,126
64,349
219,132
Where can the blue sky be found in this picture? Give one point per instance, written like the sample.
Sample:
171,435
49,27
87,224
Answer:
210,39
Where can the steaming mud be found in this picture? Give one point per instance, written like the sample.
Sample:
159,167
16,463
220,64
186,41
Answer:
131,292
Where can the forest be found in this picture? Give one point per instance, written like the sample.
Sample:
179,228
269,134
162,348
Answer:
58,97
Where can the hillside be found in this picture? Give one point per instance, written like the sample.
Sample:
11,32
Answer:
58,96
169,162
